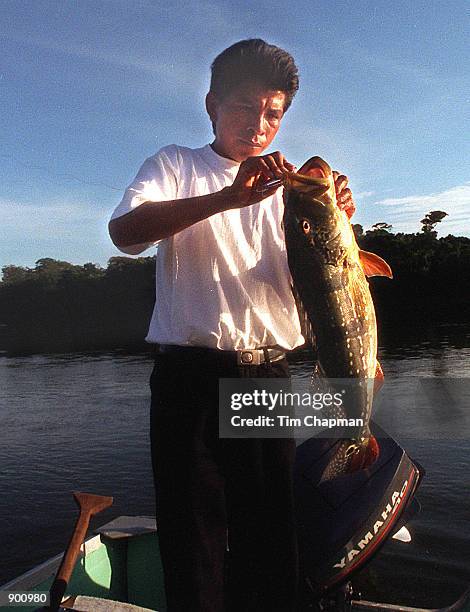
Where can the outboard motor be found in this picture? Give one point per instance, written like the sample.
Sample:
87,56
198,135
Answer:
343,522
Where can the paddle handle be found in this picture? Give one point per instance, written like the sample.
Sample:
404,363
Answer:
69,559
89,505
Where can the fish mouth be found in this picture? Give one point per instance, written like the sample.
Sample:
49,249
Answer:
316,167
313,178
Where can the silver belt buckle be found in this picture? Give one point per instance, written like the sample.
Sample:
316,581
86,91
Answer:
249,357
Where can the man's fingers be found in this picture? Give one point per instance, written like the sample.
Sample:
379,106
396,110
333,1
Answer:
344,195
346,202
274,166
266,167
344,198
257,169
255,172
278,163
264,164
340,182
350,210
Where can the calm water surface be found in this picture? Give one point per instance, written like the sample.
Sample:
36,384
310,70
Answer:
79,422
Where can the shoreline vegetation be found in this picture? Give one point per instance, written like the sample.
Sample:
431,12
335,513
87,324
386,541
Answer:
61,307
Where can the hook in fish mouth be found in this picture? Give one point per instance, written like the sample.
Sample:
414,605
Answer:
272,183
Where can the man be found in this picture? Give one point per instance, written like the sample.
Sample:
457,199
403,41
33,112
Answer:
224,308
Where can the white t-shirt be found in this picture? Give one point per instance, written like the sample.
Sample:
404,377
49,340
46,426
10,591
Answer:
224,282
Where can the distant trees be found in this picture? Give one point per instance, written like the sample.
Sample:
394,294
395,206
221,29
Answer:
431,276
381,227
431,219
49,272
15,274
59,306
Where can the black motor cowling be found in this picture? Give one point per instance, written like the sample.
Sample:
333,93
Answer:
343,522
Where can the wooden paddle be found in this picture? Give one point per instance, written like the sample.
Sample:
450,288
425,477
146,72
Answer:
89,505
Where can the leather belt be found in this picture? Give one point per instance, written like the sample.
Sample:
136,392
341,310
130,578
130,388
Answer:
243,357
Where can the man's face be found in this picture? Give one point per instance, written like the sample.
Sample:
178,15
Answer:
246,121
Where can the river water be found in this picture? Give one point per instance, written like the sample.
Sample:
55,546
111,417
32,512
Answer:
78,422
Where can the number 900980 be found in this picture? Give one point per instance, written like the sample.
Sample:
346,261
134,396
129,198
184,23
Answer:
23,598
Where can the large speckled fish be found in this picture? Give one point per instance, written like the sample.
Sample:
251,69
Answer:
333,298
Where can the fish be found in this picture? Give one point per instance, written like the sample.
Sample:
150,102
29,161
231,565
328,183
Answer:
329,273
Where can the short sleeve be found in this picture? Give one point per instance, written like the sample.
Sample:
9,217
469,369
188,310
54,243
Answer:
156,181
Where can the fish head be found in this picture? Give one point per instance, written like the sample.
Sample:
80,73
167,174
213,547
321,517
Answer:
310,198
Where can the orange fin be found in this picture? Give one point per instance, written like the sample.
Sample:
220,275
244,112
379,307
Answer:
373,265
379,378
368,455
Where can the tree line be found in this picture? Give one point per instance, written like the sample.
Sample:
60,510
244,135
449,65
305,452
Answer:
59,306
431,277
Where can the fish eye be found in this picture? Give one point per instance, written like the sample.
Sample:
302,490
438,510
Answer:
305,226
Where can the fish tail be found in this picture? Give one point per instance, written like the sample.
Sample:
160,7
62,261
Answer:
351,457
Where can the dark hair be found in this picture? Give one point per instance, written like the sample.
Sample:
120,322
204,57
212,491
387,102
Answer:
254,60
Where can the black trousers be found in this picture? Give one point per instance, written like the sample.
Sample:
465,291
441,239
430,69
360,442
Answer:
212,491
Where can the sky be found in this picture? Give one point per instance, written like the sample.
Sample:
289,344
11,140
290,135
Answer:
90,89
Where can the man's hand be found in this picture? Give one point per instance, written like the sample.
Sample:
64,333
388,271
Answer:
343,194
252,174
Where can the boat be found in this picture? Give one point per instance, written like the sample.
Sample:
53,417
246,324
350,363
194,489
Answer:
119,570
348,519
120,563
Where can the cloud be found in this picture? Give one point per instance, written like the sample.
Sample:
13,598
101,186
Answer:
171,69
387,64
36,222
70,231
152,40
406,212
